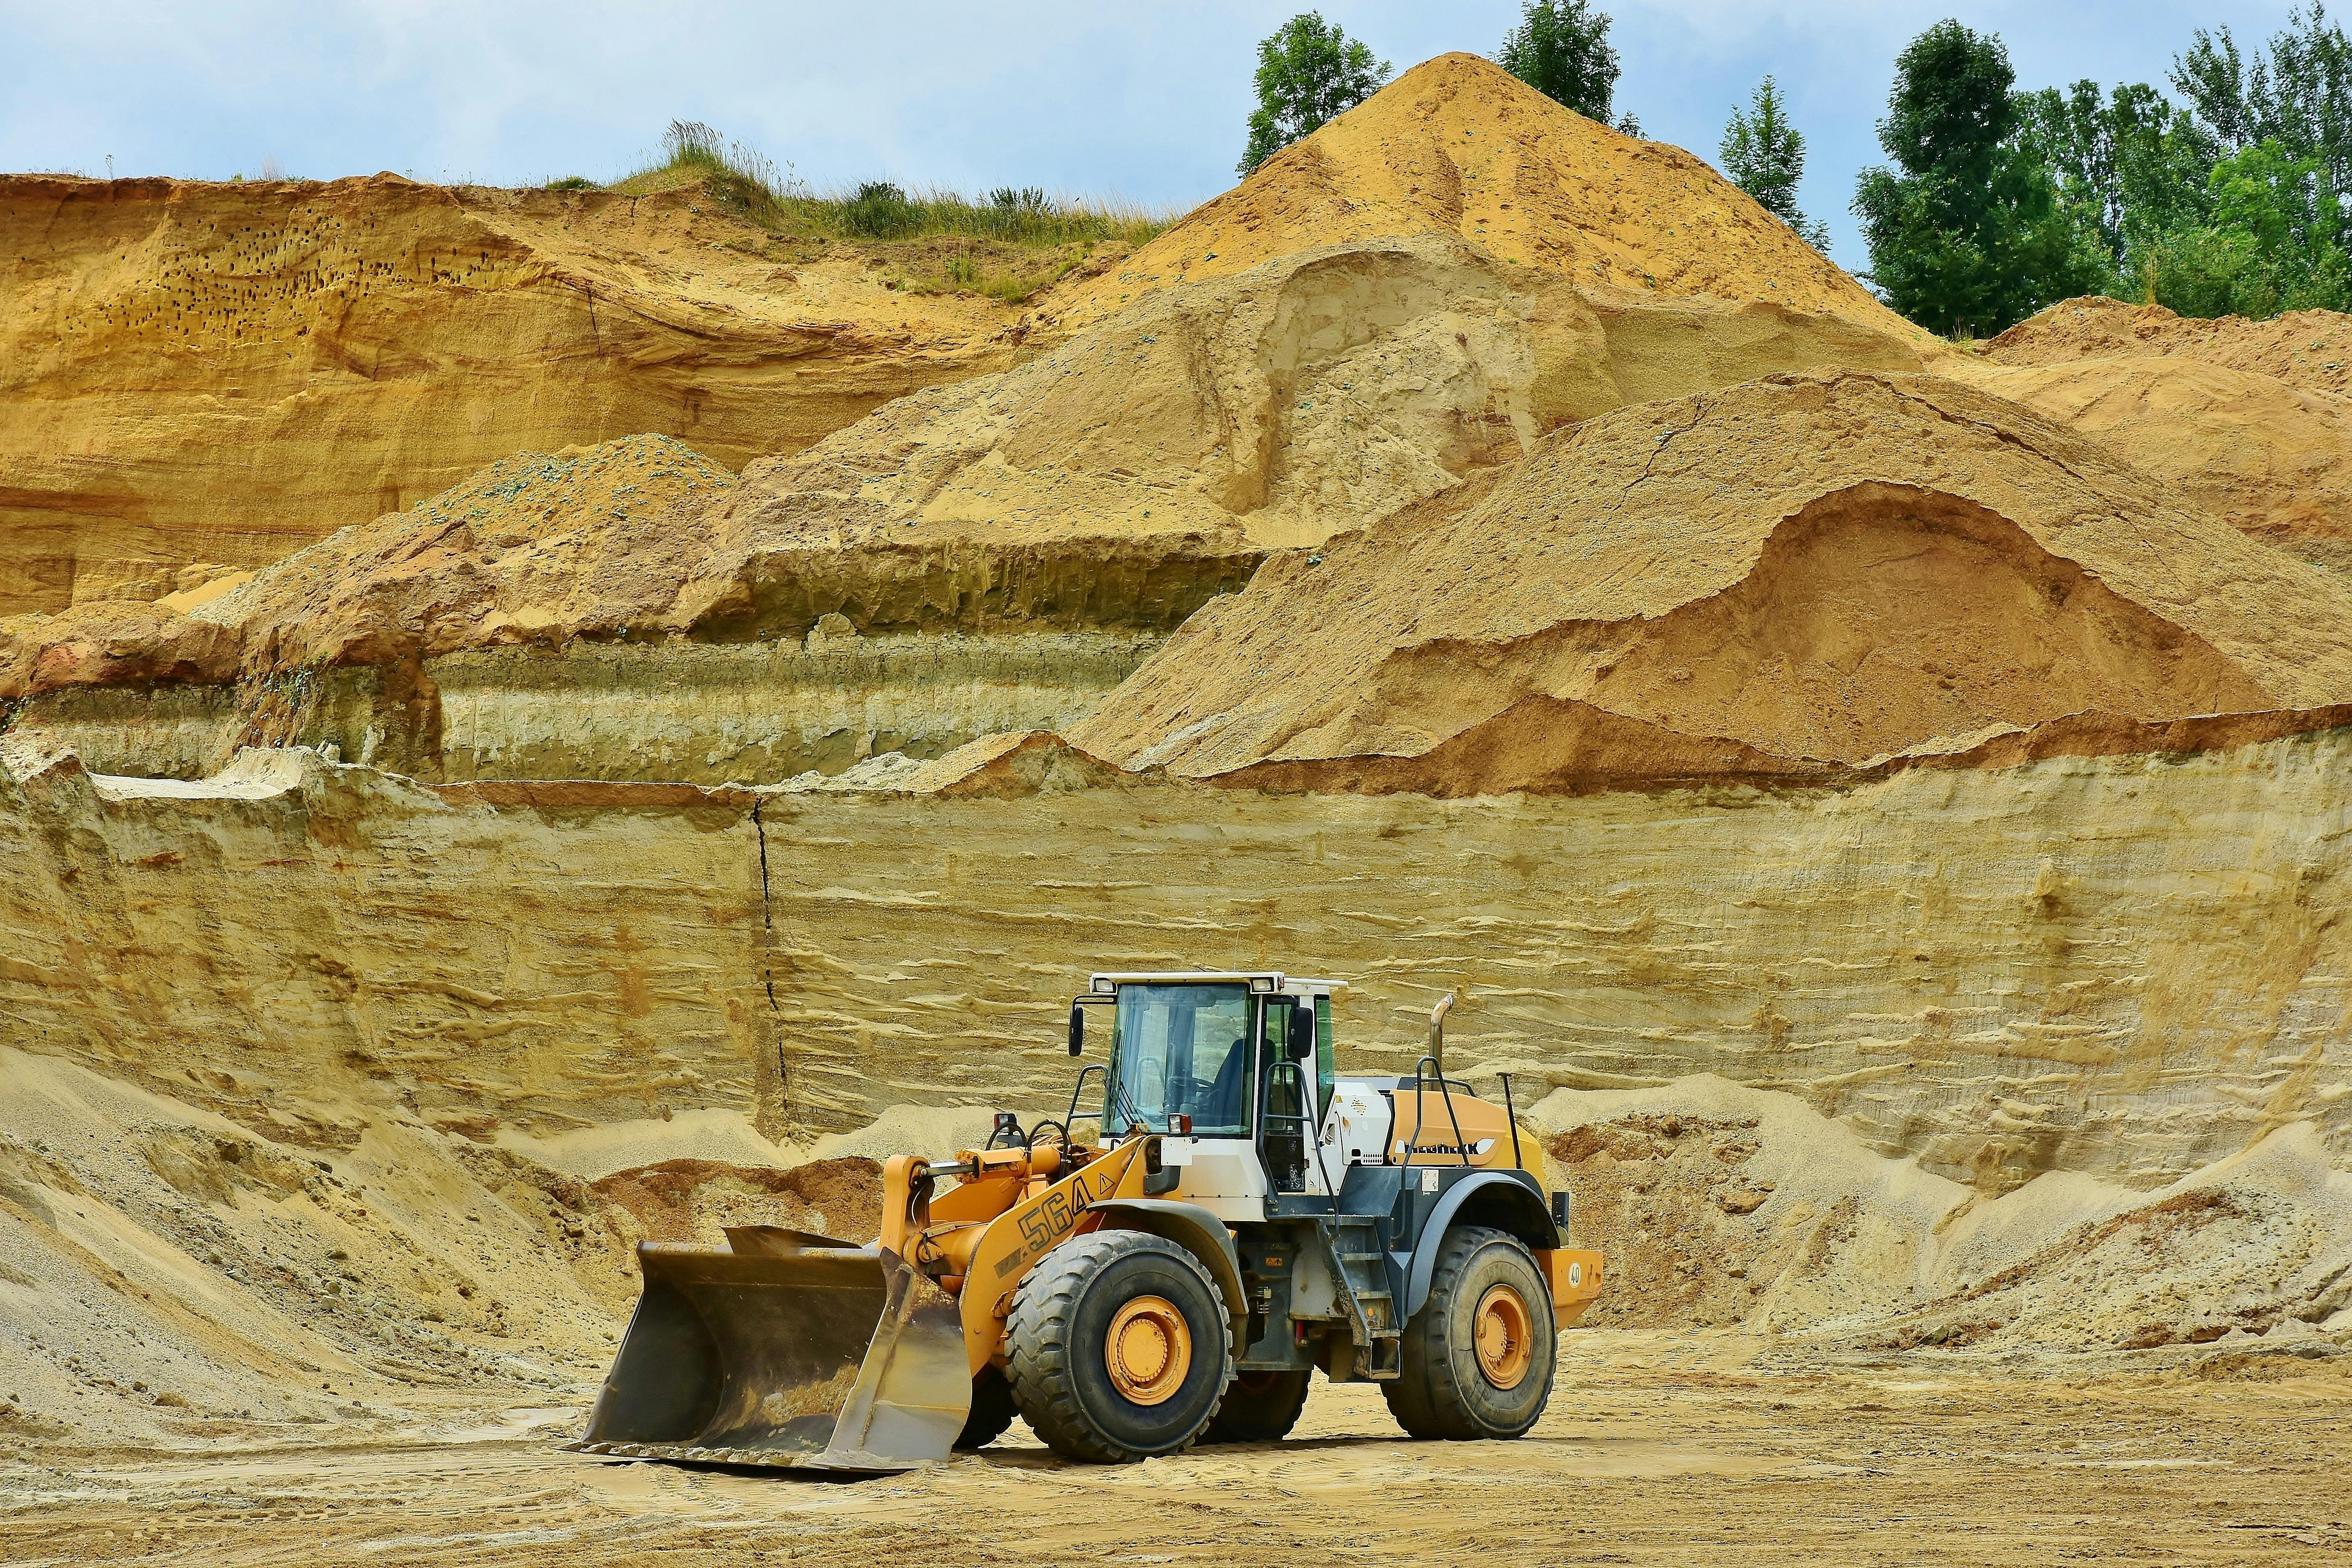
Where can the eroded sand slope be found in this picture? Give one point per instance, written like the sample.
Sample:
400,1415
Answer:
209,375
1804,570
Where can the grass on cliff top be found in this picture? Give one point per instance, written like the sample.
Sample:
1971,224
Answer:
993,229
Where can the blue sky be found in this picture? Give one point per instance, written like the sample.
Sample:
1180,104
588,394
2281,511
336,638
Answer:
1146,101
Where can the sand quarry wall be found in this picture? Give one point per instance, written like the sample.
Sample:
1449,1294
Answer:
2124,966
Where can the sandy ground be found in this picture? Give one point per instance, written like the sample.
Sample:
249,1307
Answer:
1660,1447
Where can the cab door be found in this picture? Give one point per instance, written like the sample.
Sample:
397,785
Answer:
1287,1108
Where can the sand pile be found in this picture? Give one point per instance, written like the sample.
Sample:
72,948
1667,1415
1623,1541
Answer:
2310,350
1458,146
171,1278
2244,420
1804,570
1119,480
1285,388
2268,460
1724,1205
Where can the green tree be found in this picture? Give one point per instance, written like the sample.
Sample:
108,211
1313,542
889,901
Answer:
1308,71
1764,155
1967,230
2270,244
2297,92
1562,50
2131,164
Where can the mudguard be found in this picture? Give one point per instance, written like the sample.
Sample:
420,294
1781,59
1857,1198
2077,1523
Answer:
1198,1232
1507,1200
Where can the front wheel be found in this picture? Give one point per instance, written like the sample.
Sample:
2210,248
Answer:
1118,1347
1479,1355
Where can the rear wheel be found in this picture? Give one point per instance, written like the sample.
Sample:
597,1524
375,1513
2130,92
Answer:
991,1410
1478,1356
1118,1347
1259,1407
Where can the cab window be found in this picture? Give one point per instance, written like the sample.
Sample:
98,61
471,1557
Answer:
1181,1050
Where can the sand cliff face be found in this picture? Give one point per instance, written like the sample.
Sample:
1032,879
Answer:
2124,966
206,375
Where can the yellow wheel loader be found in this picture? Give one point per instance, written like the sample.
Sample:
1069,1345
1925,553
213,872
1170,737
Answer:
1242,1216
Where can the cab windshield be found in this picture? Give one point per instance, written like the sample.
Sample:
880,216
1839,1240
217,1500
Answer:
1181,1050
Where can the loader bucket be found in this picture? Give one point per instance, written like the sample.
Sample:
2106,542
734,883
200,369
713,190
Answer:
774,1352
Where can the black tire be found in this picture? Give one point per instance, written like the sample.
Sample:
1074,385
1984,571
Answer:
991,1410
1259,1407
1445,1391
1059,1331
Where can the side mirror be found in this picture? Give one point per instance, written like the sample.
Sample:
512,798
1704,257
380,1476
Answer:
1302,1032
1077,1030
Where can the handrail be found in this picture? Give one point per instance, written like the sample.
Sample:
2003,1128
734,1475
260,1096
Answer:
1270,1114
1511,1114
1421,1106
1310,1128
1079,1087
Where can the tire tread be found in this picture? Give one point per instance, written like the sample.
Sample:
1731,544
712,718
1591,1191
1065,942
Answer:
1038,1335
1425,1399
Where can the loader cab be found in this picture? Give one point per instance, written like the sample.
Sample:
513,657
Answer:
1235,1069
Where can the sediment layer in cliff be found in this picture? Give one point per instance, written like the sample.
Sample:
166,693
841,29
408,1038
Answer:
1818,569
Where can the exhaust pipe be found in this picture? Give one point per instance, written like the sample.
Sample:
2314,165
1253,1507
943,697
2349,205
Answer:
1437,1030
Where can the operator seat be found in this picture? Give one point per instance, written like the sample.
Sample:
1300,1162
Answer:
1221,1106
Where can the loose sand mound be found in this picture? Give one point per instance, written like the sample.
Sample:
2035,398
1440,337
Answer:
1120,480
1810,567
219,374
2311,351
171,1278
1458,146
2245,419
1721,1205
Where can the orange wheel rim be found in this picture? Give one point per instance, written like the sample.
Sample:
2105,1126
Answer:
1149,1350
1504,1332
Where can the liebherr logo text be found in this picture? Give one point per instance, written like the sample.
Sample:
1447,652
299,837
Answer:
1458,1150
